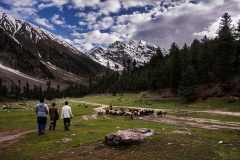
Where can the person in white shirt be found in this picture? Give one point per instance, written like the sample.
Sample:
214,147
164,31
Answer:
66,116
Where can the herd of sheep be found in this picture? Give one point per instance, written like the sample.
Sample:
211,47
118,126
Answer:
132,112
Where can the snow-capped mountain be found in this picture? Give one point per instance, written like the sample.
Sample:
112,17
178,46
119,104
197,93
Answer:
16,28
30,49
113,56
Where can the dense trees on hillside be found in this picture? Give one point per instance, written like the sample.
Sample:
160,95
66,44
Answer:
183,69
17,57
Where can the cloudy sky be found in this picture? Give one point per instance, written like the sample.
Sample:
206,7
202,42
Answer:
89,23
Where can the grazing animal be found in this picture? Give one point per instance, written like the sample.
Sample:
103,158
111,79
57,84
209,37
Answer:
100,112
159,113
164,113
128,114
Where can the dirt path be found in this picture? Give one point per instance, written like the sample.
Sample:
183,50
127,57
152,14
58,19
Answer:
184,121
12,138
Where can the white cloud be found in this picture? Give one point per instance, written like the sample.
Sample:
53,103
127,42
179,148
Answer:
55,19
94,37
80,14
82,23
91,17
20,13
51,3
44,22
210,30
106,7
20,3
71,26
184,22
136,3
68,41
110,6
134,18
85,3
103,24
125,31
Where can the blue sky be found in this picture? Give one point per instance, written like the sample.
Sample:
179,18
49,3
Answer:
88,23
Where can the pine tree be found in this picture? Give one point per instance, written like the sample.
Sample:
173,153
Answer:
236,62
4,91
185,57
134,63
204,61
194,51
175,67
116,67
188,84
225,51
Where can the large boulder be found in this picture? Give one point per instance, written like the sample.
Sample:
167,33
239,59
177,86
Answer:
127,137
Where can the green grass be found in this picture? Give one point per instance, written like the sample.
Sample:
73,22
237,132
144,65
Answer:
164,144
139,101
209,116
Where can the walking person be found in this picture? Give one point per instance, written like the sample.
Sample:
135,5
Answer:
66,116
53,112
42,110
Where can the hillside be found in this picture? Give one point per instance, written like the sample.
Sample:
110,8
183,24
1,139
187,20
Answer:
33,51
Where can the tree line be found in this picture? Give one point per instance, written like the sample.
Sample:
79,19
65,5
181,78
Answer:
205,62
15,91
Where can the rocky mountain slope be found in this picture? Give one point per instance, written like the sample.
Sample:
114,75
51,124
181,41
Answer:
118,52
36,52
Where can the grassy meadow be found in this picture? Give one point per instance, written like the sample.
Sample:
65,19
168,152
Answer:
88,134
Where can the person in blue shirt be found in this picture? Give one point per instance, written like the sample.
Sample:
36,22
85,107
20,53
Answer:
42,110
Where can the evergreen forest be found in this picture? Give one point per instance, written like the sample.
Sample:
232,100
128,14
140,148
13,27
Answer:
206,62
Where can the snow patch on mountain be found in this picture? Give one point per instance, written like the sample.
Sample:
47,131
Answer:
13,26
132,50
19,73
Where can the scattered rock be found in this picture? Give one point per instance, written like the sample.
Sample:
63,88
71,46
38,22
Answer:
79,124
64,140
127,137
183,129
99,146
220,142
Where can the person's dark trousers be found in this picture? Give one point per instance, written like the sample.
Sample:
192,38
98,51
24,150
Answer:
66,123
53,124
42,122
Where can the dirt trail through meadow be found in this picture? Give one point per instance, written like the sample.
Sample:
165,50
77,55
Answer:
7,139
182,121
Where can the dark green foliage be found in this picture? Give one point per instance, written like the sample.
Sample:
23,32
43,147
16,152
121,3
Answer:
175,68
3,90
225,50
188,83
209,61
17,57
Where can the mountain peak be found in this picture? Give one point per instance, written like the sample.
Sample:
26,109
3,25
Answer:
140,51
39,53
